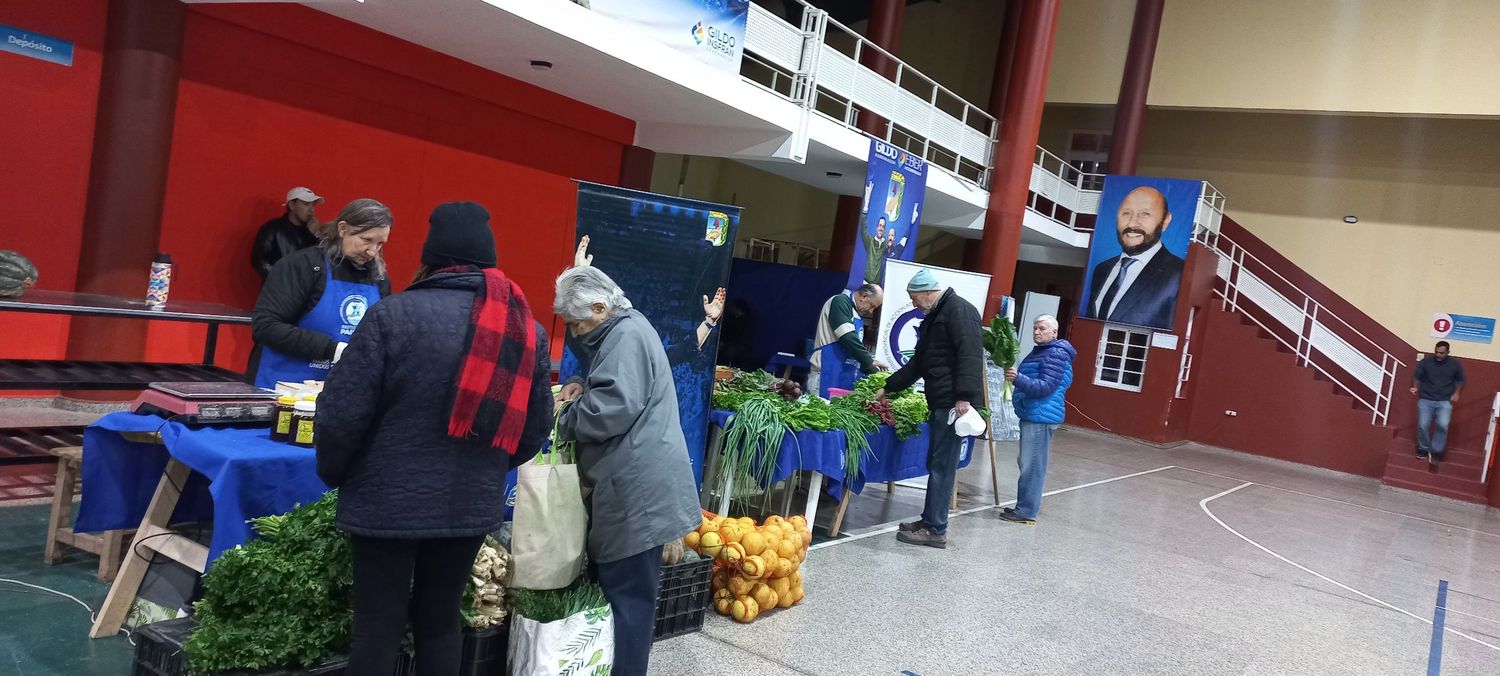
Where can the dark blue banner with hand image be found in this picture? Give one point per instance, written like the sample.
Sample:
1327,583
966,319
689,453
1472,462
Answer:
895,182
671,257
1139,249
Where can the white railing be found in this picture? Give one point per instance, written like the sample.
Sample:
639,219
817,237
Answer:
1060,192
1319,338
819,66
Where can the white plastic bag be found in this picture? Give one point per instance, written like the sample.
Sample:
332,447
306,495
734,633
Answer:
967,425
550,526
578,645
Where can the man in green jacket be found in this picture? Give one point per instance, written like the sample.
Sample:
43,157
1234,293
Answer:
839,354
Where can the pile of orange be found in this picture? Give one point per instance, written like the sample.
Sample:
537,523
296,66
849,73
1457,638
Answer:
756,567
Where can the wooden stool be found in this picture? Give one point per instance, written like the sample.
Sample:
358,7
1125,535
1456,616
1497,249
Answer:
108,547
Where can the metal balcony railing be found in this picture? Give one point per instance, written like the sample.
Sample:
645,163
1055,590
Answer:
819,66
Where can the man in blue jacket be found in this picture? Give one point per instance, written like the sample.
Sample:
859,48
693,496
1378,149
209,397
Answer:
1042,381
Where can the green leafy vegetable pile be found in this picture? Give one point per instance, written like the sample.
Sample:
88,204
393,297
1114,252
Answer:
281,601
552,605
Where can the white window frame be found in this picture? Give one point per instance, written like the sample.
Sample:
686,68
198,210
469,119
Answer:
1124,337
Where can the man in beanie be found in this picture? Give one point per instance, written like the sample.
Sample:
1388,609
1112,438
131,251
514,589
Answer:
950,360
288,233
418,426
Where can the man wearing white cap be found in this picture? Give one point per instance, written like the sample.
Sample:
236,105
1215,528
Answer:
288,233
950,360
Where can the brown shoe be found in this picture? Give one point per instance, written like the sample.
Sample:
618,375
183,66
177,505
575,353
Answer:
922,536
910,526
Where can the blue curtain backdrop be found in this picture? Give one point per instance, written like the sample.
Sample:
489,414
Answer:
667,253
773,308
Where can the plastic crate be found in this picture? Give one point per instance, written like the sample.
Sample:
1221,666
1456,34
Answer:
682,604
158,652
484,652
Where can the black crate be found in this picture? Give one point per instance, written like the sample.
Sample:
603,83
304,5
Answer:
682,603
158,652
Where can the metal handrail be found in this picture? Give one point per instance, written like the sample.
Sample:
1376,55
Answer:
957,154
1313,313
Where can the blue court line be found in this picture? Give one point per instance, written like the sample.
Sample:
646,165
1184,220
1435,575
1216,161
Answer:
1439,615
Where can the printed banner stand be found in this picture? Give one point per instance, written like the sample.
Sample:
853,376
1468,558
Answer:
671,257
895,185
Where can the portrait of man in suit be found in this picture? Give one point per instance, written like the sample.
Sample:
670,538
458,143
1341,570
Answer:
1139,286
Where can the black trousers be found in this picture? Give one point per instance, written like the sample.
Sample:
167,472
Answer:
631,585
422,580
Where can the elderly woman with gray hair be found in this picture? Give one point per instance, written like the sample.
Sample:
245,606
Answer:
632,459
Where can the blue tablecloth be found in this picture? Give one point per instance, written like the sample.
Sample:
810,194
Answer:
893,459
239,474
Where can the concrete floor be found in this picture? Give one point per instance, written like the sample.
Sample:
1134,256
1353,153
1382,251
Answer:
1133,575
1150,561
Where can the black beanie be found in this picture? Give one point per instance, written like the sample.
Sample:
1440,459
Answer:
459,235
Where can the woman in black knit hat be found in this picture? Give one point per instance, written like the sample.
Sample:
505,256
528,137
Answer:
417,429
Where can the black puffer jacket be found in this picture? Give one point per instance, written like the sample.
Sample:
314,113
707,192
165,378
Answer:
277,239
949,355
294,288
382,425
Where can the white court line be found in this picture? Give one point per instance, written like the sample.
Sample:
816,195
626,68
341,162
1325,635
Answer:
1344,502
882,530
1203,504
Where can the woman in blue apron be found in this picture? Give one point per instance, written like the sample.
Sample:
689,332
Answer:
314,299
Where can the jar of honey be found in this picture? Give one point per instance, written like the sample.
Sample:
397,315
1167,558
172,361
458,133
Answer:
303,415
281,426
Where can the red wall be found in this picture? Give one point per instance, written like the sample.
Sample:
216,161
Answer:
1154,413
47,132
324,103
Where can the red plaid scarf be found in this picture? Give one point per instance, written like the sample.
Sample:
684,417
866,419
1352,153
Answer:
494,381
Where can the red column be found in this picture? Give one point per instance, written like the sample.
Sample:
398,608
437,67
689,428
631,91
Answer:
1130,111
128,172
636,165
999,91
884,30
1017,148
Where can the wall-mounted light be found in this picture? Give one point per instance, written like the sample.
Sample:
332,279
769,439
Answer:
1351,219
539,64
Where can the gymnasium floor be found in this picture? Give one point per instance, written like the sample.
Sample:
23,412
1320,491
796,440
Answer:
1149,561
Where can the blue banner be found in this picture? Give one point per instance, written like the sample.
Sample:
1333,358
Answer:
1463,327
671,256
36,46
895,182
711,31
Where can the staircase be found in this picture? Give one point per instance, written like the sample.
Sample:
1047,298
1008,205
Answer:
1281,304
1456,477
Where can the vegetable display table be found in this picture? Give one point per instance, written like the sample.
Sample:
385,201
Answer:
192,474
821,454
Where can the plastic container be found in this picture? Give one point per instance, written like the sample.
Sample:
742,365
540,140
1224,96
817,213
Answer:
683,602
303,429
160,284
281,426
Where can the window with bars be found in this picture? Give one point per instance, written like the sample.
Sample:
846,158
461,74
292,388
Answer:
1122,357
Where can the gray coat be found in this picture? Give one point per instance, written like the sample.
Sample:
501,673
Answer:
632,459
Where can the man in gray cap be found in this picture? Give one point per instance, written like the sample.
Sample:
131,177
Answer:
288,233
950,360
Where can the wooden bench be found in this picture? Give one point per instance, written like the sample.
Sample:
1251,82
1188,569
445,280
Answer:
108,546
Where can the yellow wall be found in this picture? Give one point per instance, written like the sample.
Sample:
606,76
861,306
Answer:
1426,191
1430,57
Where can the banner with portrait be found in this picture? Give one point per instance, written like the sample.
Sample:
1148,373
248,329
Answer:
895,183
671,257
1139,249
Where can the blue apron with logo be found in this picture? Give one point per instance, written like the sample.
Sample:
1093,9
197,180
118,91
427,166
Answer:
336,315
839,369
